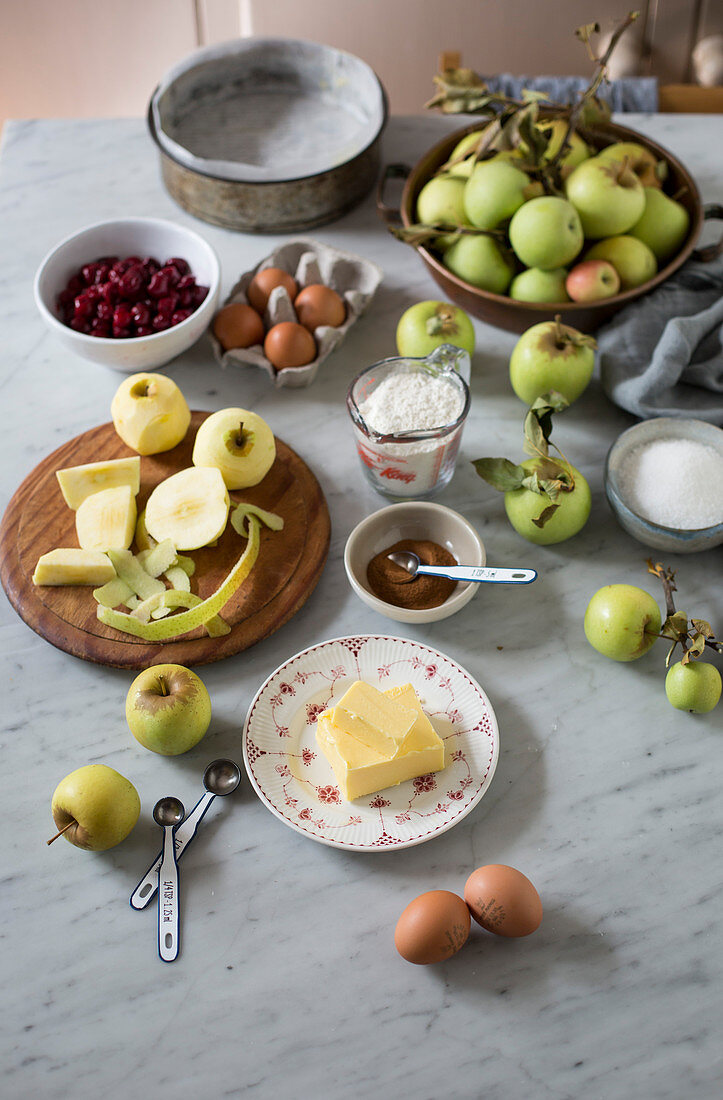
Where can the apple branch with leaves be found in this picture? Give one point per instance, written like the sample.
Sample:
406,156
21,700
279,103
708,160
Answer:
550,476
693,636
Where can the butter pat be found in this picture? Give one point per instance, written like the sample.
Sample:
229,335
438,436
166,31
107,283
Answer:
360,770
374,719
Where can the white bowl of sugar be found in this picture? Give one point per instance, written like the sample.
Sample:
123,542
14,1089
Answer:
664,482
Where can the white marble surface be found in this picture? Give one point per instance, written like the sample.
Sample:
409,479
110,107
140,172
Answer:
288,984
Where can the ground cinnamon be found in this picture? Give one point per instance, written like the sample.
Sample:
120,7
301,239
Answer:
391,583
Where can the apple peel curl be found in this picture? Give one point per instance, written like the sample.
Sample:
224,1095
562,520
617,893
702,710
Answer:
198,615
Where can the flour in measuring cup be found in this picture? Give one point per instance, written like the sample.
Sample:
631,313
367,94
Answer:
411,402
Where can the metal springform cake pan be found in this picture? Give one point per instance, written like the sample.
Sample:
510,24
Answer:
269,135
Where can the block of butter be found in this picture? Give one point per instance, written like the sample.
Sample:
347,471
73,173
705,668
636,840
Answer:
369,715
361,770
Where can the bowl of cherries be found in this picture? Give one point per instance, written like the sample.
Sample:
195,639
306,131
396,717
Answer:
131,293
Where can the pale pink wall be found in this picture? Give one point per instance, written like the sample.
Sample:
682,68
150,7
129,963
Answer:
104,57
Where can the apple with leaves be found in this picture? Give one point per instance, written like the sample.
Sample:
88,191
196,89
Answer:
546,499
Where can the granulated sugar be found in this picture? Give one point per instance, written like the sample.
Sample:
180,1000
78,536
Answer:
412,402
674,482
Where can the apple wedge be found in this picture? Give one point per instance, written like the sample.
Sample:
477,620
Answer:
78,482
73,566
107,520
190,508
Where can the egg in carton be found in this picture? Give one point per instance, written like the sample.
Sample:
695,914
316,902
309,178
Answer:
353,278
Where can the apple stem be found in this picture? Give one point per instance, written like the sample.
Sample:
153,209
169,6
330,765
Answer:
163,685
63,830
240,438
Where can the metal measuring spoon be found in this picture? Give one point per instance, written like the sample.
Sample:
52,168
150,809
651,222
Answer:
491,573
168,813
221,777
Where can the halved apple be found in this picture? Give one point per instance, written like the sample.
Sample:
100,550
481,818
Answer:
239,444
190,508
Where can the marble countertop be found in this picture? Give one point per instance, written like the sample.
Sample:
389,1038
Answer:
288,983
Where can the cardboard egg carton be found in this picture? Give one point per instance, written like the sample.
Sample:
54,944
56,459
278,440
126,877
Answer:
352,277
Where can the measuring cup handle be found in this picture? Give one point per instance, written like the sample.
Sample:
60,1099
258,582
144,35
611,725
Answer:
168,937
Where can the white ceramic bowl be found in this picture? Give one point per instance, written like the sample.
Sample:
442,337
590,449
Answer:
675,540
413,519
129,237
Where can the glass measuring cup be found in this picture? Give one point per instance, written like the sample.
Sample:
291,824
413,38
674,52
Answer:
416,462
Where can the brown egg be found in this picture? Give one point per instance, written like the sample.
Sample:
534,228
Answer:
238,326
267,280
432,928
319,305
289,345
503,900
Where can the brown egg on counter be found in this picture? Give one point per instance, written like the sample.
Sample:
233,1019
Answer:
265,281
238,326
432,928
289,345
503,900
318,305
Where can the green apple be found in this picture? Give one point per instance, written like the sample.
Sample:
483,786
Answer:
150,413
649,170
695,686
546,233
95,807
633,260
663,226
592,280
607,195
237,442
479,261
523,507
536,285
622,621
442,200
494,191
551,356
168,709
464,147
427,325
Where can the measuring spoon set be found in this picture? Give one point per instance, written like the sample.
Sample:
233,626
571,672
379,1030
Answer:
220,778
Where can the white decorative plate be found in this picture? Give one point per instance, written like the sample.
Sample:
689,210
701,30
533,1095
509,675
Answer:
293,778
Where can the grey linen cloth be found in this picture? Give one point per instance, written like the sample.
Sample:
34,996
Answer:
633,93
663,354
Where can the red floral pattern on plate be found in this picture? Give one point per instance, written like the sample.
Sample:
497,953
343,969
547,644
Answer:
296,782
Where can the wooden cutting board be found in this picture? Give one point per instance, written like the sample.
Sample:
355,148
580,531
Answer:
286,572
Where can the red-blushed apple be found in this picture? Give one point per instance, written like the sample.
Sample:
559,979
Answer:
607,195
550,357
592,280
427,325
168,709
546,233
622,622
695,686
633,260
95,807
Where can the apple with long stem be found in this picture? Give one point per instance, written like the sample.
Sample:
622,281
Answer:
95,807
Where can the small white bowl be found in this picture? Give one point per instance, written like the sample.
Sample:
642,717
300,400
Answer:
414,519
129,237
673,539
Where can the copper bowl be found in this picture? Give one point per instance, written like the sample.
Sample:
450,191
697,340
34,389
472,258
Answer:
515,316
